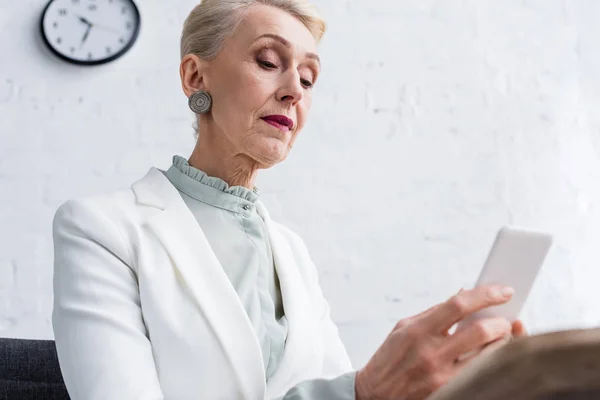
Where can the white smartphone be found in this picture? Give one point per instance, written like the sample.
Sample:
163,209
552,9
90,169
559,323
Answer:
514,260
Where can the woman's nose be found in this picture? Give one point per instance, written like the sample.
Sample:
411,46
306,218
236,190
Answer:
291,90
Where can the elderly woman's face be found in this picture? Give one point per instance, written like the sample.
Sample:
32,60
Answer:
261,84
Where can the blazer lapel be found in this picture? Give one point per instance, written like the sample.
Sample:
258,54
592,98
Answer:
300,355
208,284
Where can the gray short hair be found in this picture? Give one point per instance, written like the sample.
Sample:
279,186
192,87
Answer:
213,21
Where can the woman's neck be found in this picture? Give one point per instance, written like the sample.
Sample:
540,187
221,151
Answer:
212,158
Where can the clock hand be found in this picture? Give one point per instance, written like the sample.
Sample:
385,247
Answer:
106,28
85,21
85,35
103,27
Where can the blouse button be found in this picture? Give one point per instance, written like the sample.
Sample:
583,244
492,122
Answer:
246,207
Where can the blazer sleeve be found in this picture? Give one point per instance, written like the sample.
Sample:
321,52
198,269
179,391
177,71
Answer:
339,388
101,339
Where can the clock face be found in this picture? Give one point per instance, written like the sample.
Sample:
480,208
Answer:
90,32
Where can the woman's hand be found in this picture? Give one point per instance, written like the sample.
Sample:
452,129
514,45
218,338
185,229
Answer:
419,355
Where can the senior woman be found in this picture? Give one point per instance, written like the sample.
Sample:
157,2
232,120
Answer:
182,287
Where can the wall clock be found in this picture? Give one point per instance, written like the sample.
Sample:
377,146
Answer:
90,32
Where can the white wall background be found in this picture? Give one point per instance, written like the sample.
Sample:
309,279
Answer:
434,123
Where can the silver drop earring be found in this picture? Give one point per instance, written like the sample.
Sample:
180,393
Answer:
200,102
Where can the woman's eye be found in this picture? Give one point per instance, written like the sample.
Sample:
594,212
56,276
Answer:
267,64
306,83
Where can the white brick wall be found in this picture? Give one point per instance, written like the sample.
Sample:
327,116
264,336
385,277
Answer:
434,123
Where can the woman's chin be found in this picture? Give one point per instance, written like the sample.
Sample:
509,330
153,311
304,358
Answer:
273,151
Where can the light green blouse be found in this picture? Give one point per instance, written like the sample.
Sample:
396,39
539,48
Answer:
237,234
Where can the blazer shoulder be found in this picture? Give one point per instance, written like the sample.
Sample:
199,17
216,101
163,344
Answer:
97,215
115,205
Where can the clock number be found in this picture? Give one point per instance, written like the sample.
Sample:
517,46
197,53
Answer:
55,24
92,7
124,10
121,40
129,25
72,49
108,50
75,1
59,40
90,56
62,12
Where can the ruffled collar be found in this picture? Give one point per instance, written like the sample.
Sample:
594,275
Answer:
209,189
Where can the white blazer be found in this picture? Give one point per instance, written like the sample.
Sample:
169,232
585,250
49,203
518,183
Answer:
143,309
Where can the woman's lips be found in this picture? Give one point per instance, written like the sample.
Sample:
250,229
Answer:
280,122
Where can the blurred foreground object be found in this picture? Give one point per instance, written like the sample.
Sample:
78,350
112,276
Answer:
552,366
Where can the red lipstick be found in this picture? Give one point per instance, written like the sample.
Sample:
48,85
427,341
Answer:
279,121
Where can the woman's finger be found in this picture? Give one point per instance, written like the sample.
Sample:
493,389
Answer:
476,335
465,358
465,303
518,329
426,313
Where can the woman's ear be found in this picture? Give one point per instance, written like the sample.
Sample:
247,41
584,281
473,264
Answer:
192,71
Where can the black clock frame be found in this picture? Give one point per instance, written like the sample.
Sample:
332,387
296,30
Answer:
113,57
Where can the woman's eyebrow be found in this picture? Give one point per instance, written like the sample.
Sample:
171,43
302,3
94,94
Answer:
286,43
